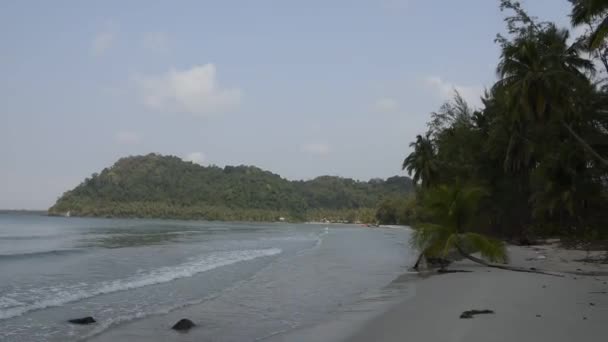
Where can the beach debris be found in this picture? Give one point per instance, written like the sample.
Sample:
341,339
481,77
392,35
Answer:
591,304
83,320
538,316
443,270
544,286
471,313
533,268
599,292
183,324
438,262
584,318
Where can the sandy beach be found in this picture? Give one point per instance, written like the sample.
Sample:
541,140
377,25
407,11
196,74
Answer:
527,306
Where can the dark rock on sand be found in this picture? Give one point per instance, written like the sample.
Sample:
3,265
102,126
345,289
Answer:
183,324
84,320
592,304
538,315
471,313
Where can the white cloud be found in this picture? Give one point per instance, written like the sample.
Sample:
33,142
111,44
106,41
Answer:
472,94
127,138
156,41
194,91
196,158
319,149
386,104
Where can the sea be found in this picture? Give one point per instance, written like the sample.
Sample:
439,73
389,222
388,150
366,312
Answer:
236,281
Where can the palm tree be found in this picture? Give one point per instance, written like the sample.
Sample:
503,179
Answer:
542,79
422,161
587,12
452,208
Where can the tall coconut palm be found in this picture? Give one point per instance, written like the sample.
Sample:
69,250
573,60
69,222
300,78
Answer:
422,161
542,77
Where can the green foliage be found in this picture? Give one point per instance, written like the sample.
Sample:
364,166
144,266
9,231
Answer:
537,149
438,240
452,209
595,14
167,187
397,210
455,205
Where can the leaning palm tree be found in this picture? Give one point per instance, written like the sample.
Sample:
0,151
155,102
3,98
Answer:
422,161
452,208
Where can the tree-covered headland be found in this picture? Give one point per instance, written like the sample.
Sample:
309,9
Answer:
168,187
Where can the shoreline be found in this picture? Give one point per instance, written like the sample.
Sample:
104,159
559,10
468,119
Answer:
427,306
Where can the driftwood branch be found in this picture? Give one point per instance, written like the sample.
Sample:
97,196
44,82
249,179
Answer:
506,267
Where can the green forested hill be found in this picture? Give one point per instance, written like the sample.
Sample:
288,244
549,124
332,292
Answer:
166,186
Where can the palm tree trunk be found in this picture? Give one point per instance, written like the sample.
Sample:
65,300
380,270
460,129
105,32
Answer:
505,267
584,143
417,264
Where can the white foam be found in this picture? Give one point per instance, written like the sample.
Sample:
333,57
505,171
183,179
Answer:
321,236
7,302
64,295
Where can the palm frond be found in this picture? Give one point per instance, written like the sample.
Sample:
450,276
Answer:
492,249
599,35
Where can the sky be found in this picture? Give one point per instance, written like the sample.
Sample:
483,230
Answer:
300,88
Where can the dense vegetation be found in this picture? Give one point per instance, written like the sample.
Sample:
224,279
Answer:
168,187
535,153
